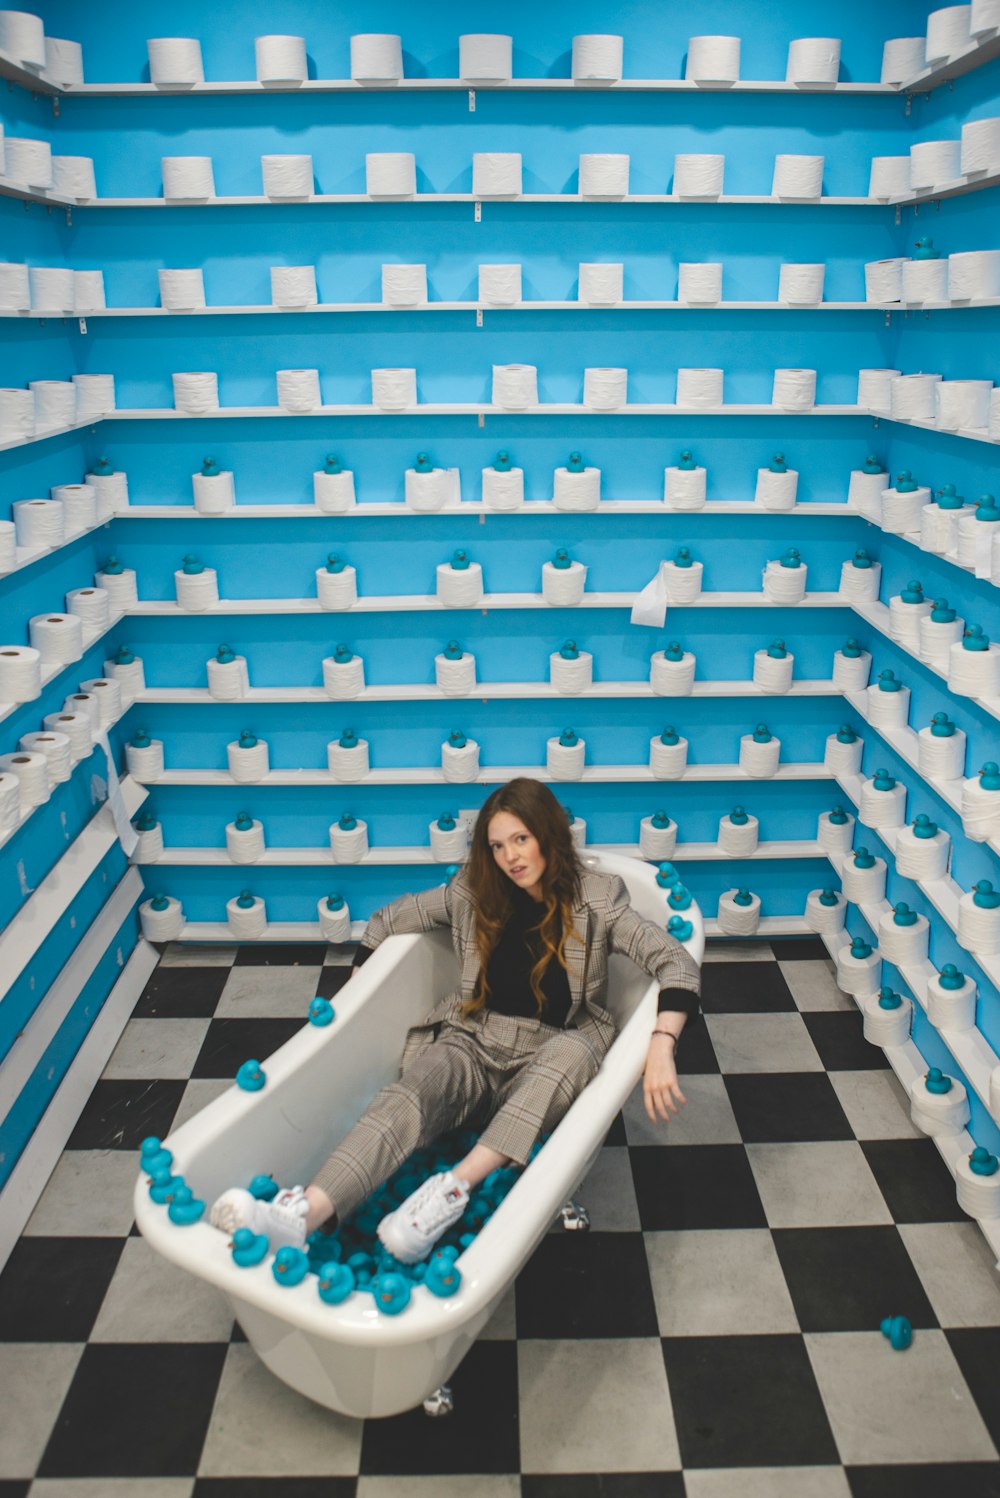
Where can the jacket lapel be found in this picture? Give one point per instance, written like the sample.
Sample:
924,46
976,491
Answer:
576,958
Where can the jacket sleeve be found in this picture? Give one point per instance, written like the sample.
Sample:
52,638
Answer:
655,951
420,912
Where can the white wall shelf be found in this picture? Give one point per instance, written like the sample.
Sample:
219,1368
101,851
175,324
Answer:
877,614
486,691
323,857
970,434
308,931
399,510
493,775
76,426
26,555
428,602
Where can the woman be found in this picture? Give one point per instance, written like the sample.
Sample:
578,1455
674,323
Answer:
510,1051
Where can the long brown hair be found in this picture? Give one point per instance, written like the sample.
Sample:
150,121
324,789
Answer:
535,805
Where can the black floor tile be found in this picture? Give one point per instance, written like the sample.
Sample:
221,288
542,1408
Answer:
849,1279
696,1054
798,948
52,1288
747,1402
695,1186
616,1134
927,1480
13,1488
119,1114
603,1485
275,1487
916,1183
230,1042
586,1285
837,1035
744,988
280,954
481,1436
786,1107
135,1411
331,980
977,1351
181,993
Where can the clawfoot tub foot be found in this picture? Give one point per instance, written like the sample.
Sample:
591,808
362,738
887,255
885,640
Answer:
440,1403
574,1218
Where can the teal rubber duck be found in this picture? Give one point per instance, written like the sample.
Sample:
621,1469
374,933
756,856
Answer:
923,249
985,896
679,928
263,1188
114,567
846,734
249,1248
778,464
569,651
674,651
937,1082
290,1266
851,649
562,559
451,871
762,734
334,902
225,655
889,1000
101,469
941,726
989,776
570,816
923,827
679,898
336,1282
244,821
446,822
331,464
334,563
348,739
982,1163
574,463
863,859
986,509
791,558
974,639
502,462
776,650
248,739
872,465
457,739
860,949
145,822
889,682
320,1012
347,821
140,739
160,902
185,1208
898,1331
670,736
941,613
861,560
209,468
912,593
667,876
423,464
245,899
838,816
659,820
948,499
453,651
683,558
123,656
568,738
391,1292
251,1076
902,915
153,1157
459,561
738,817
686,462
442,1276
905,482
950,979
883,781
162,1186
829,897
342,654
743,897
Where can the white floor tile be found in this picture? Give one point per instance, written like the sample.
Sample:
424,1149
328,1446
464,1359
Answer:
151,1300
958,1270
34,1377
817,1185
161,1048
762,1043
875,1104
88,1195
716,1283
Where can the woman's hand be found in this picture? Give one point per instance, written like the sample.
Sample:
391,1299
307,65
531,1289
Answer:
661,1091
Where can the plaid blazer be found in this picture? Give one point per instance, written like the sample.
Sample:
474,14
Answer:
603,917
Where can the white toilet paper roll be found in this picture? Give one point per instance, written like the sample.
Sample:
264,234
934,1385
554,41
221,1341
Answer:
922,857
63,61
995,559
455,678
973,274
245,844
903,57
298,389
597,58
934,162
576,491
980,811
247,764
813,59
54,749
902,945
937,638
188,178
503,489
390,174
684,488
349,844
145,763
974,673
699,387
875,388
738,838
889,178
214,493
348,762
937,1113
130,676
88,291
404,285
394,389
994,428
337,590
977,1195
798,177
246,922
196,391
28,162
17,415
668,761
980,146
175,61
496,174
449,844
682,584
863,886
901,512
794,389
947,33
851,672
603,175
334,925
564,761
73,177
432,490
713,59
22,35
862,976
911,397
10,802
281,59
887,709
657,843
864,492
784,584
942,758
757,760
698,176
925,281
287,176
773,674
15,293
880,808
515,386
196,591
39,522
228,680
963,404
376,57
562,587
499,285
605,389
835,837
699,282
736,919
55,404
79,502
8,546
460,763
161,925
91,605
669,678
485,57
293,286
58,638
95,395
571,676
886,1027
822,918
459,587
343,679
985,17
951,1008
180,290
53,288
601,283
801,284
938,528
776,491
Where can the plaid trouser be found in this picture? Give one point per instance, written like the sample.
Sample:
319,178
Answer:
513,1078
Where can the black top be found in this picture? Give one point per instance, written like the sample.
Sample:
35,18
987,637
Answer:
508,972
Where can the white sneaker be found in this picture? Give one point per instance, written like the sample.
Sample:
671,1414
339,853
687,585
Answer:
411,1231
283,1220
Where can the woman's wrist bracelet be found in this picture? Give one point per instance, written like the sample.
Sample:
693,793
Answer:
669,1033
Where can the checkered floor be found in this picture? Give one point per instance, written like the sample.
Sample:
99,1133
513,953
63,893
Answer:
714,1335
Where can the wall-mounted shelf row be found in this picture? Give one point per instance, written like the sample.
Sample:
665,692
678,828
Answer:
429,602
487,691
877,614
498,775
208,932
323,858
538,507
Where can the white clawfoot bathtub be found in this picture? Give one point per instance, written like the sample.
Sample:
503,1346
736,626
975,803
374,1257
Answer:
350,1357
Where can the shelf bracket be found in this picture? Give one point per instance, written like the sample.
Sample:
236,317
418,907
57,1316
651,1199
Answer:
875,422
479,317
55,105
482,418
472,101
909,105
477,212
83,325
888,319
69,217
899,214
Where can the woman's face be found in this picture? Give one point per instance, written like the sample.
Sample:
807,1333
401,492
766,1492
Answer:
517,852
